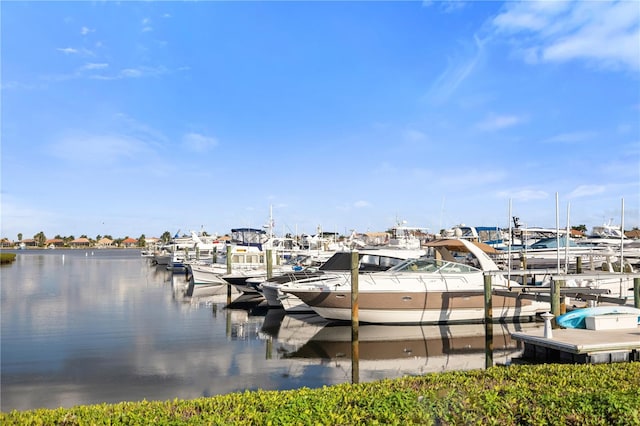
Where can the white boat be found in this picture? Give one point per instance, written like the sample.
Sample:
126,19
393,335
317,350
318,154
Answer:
551,251
490,235
431,289
371,260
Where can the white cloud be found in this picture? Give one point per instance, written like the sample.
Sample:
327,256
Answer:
498,122
131,73
569,138
67,50
74,51
457,71
94,66
361,204
199,143
146,25
139,72
586,190
86,30
414,135
605,34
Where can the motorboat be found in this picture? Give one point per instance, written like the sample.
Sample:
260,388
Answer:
438,288
370,260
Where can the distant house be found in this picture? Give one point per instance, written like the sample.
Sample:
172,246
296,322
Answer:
152,241
576,233
80,243
634,234
55,242
29,243
129,242
104,242
376,238
6,243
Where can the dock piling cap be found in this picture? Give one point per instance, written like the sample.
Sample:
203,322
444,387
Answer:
547,315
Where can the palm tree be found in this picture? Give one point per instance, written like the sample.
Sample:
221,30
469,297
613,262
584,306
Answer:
40,238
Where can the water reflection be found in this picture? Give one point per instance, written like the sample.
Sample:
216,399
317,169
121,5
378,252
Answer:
380,351
79,328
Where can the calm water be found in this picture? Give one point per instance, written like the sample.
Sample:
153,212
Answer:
86,327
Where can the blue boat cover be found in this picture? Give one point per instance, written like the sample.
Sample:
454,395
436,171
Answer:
576,318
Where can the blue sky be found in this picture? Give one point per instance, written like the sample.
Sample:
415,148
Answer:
130,118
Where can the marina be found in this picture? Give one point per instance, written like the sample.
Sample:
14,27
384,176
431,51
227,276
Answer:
87,326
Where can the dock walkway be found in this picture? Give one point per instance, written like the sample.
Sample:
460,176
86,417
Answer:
582,345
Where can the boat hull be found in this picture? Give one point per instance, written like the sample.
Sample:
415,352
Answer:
402,307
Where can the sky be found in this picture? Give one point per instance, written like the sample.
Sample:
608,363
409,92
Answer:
130,118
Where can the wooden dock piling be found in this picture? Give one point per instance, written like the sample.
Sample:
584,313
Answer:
228,272
355,325
269,263
488,302
355,259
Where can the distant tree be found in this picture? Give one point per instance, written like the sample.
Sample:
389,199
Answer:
84,236
118,241
581,228
109,237
165,237
19,236
58,237
98,237
40,238
142,241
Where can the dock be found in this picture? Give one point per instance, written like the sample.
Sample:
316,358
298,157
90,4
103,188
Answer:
581,346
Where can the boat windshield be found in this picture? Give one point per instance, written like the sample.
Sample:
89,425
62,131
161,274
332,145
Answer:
433,265
371,262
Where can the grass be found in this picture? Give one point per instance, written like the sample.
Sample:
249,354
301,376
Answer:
548,394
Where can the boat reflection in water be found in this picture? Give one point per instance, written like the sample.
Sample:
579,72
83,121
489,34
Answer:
387,351
380,351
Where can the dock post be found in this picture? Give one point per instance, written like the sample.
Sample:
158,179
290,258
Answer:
197,253
636,292
355,325
523,260
228,272
355,258
555,298
547,317
269,263
488,322
579,265
488,303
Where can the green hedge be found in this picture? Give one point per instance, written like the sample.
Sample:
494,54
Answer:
553,394
7,258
